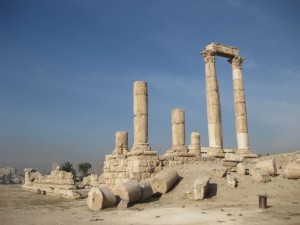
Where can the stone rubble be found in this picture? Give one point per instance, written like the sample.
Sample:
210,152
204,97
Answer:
292,170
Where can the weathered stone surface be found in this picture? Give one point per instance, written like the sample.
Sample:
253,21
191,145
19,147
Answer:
219,172
86,181
222,50
164,180
94,180
121,143
213,100
100,198
292,170
140,111
241,168
259,175
178,132
30,175
231,180
201,188
195,146
268,166
213,103
129,191
147,191
123,204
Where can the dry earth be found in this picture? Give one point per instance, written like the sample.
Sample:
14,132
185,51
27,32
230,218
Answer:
225,205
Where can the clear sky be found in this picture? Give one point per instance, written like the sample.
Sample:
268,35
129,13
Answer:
67,69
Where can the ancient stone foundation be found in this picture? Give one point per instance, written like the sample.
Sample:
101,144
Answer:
58,183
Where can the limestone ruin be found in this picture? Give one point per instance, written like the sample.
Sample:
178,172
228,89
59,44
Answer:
213,100
142,163
58,183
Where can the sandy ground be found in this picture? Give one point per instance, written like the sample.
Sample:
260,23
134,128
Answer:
225,205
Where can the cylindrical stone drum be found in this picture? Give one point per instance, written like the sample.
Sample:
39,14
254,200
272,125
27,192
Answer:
164,180
121,141
100,198
195,138
129,191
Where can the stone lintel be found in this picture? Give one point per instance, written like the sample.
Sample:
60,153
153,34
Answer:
223,50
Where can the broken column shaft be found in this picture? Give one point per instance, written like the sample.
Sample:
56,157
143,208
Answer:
178,131
195,146
121,143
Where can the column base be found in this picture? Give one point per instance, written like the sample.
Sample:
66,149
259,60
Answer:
117,151
141,147
194,149
246,153
177,149
215,152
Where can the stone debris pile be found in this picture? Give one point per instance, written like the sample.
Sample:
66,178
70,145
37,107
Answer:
131,191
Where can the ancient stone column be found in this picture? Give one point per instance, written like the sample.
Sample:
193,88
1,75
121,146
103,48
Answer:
140,110
121,143
195,146
240,106
178,131
213,105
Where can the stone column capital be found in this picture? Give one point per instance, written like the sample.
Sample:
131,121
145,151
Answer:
209,56
236,62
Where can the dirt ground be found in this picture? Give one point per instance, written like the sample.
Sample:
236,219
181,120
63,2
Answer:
224,204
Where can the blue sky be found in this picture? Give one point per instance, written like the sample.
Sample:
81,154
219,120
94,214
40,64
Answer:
67,69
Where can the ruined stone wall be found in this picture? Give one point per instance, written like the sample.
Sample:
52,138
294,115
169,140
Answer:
56,177
114,171
58,183
119,168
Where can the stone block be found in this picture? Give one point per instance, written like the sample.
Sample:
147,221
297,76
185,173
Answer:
200,188
259,175
139,169
268,166
241,168
292,170
231,180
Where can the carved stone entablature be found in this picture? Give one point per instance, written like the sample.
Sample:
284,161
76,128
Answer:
236,62
223,50
208,56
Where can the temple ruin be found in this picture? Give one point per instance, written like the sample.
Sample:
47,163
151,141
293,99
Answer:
142,162
213,100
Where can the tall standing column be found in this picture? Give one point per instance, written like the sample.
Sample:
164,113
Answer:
178,131
213,105
140,110
240,106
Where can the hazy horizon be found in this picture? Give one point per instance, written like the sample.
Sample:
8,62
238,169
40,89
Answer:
67,70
